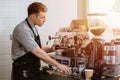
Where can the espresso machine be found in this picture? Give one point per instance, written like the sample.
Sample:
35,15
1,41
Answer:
69,51
77,51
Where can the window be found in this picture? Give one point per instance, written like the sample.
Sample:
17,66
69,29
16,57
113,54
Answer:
109,7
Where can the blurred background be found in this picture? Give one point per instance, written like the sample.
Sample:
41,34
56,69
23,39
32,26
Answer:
60,14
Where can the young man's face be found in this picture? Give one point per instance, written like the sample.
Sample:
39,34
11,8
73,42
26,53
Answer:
40,18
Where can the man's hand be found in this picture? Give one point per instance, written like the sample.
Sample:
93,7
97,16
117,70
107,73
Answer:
65,68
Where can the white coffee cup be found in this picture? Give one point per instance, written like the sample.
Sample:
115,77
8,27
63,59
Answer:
88,74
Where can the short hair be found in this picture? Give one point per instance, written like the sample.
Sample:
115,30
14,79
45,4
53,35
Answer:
36,7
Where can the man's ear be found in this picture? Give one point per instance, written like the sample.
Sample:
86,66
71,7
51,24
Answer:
33,16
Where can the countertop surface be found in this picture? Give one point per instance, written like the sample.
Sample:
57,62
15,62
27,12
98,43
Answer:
59,76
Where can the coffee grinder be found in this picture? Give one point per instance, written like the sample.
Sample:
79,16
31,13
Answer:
95,49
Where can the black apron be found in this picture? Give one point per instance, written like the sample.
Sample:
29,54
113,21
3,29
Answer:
27,66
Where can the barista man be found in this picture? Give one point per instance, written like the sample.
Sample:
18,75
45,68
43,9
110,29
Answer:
26,47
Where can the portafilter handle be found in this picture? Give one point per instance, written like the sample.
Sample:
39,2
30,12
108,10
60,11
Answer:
50,38
55,37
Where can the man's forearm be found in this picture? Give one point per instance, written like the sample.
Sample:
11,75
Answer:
47,49
44,56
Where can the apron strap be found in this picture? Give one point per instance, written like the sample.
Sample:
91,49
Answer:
37,38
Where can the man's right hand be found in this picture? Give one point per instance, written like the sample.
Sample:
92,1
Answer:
65,69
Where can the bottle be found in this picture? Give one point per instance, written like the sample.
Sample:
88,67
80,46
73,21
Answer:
109,53
112,53
106,52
